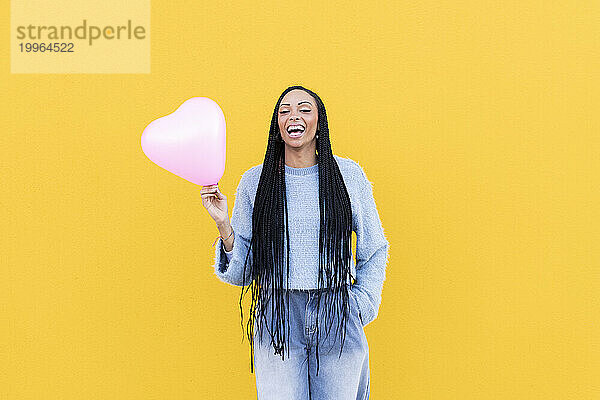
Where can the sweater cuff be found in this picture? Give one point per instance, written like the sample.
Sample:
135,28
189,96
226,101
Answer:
367,311
222,257
227,253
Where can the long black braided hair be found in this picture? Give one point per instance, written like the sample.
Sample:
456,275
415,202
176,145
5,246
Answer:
270,228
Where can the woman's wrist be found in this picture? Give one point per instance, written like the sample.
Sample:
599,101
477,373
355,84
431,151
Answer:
226,234
224,228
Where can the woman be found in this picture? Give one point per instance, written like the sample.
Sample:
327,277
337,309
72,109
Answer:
289,240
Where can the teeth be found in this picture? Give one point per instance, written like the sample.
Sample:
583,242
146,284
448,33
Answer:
299,128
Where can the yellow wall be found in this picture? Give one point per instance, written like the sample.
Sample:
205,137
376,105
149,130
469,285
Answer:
477,121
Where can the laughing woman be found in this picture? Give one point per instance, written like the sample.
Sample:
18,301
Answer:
289,242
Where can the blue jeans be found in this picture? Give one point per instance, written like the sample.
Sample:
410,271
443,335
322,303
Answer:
295,377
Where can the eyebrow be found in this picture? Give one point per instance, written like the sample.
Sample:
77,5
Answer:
287,104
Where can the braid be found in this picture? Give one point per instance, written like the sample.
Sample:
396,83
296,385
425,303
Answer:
270,228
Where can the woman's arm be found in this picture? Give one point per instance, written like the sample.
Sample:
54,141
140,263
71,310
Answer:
229,265
372,252
226,231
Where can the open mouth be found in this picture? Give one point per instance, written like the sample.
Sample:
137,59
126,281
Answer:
295,130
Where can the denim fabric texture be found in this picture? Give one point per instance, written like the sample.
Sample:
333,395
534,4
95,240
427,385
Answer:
344,377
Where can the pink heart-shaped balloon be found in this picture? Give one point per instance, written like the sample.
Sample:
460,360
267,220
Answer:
190,142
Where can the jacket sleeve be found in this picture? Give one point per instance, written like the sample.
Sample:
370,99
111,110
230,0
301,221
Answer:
229,266
372,253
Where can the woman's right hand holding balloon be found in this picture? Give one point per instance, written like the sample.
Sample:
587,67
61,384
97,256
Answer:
215,203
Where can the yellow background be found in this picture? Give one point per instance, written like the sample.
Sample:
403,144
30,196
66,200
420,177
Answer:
477,122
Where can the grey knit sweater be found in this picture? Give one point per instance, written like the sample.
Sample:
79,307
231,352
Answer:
302,191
